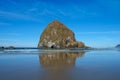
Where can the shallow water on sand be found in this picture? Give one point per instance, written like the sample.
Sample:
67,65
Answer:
34,64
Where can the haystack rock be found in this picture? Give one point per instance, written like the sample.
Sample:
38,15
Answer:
57,35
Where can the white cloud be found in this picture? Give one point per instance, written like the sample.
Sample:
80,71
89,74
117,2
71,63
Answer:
62,12
32,9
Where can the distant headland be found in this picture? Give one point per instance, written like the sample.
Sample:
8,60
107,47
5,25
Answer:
118,46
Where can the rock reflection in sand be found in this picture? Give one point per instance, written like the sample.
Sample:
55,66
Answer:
59,59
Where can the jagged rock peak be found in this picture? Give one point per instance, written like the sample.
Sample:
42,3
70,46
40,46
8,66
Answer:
56,21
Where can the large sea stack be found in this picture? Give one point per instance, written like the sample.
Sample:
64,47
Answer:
57,35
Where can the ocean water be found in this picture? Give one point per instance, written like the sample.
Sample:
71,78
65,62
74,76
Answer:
35,64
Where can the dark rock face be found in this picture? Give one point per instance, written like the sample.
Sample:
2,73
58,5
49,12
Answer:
1,47
57,35
10,47
118,46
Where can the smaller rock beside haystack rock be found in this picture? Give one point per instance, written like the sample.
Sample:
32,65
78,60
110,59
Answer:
57,35
1,47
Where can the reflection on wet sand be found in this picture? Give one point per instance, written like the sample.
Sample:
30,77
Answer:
58,66
59,59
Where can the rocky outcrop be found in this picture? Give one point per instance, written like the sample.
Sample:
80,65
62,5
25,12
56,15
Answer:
10,47
1,47
57,35
118,46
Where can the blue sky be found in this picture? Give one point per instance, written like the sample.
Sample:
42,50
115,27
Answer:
94,22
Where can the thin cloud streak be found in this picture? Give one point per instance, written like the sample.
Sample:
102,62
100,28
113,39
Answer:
8,40
13,2
10,34
4,24
12,15
110,32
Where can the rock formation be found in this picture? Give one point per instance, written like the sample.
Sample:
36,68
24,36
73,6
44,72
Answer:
1,47
10,47
118,46
57,35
